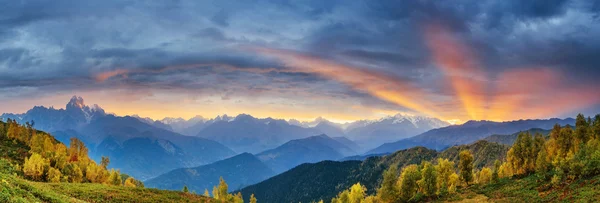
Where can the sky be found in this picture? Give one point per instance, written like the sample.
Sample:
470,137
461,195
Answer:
343,60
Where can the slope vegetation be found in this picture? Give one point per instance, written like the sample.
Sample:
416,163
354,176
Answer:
325,179
15,188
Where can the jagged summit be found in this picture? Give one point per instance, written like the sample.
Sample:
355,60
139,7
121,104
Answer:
76,102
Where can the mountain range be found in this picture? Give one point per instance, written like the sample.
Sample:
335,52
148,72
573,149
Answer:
247,169
468,132
245,133
137,148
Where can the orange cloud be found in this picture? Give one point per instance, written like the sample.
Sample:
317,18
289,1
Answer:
514,94
514,88
460,67
538,92
379,85
101,77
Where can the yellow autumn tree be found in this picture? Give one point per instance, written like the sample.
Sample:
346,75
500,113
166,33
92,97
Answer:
444,169
114,178
130,182
34,167
408,182
484,176
465,166
357,193
54,175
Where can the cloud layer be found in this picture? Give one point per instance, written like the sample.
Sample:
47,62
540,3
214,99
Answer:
345,60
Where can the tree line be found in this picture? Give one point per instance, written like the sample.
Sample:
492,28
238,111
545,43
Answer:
567,154
52,161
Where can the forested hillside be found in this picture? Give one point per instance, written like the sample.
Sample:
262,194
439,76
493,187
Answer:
325,179
564,167
35,167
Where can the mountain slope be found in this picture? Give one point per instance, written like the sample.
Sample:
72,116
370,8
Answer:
147,151
326,179
349,143
241,170
466,133
308,150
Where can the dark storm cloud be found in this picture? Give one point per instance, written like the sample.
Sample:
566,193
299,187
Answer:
54,45
221,18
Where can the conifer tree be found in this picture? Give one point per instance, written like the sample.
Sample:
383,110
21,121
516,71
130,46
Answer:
185,189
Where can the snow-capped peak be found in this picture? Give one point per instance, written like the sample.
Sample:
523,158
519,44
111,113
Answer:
171,120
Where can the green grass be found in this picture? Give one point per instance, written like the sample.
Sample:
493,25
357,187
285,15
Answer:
533,189
103,193
15,189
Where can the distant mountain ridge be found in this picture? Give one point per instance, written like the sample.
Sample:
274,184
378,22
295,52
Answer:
76,114
468,132
372,133
262,135
245,133
137,148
